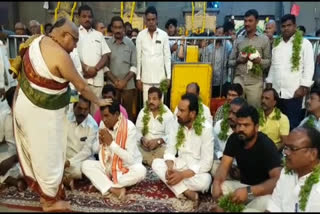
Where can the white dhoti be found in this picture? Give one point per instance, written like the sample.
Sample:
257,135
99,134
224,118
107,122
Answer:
97,175
199,182
41,134
258,204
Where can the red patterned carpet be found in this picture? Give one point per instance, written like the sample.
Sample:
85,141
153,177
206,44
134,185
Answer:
150,195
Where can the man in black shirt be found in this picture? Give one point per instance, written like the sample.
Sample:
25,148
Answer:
258,161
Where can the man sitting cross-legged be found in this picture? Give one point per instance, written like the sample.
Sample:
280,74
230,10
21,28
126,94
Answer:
10,171
297,189
153,126
221,132
120,162
82,133
188,156
258,161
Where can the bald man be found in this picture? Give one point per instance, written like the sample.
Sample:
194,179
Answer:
20,29
34,27
40,110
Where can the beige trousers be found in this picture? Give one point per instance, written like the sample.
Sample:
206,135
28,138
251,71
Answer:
251,92
148,157
97,90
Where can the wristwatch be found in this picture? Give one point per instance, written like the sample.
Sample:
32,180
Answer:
250,193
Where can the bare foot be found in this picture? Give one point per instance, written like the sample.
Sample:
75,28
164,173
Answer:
194,196
119,192
21,185
58,206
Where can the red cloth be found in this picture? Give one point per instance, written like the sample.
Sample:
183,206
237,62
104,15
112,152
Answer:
295,10
97,115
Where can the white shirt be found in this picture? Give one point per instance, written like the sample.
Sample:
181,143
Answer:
6,132
153,56
77,64
219,144
91,47
286,194
130,155
196,153
156,129
283,79
316,121
80,138
6,79
206,113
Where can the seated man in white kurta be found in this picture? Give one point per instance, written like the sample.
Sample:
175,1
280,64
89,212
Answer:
10,170
153,126
187,172
82,134
120,162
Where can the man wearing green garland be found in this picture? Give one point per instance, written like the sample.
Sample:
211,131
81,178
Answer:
258,161
188,157
298,188
272,121
153,126
313,107
291,70
251,77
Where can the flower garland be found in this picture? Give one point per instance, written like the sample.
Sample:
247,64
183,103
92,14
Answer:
296,48
164,86
307,187
224,126
251,53
146,117
227,205
197,125
262,118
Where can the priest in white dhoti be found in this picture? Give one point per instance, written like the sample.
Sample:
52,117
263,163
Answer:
189,155
82,134
44,69
120,161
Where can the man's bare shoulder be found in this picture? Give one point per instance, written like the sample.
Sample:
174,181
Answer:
49,46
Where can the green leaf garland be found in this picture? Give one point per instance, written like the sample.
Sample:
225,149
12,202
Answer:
307,187
224,125
164,86
296,49
310,122
227,205
197,125
146,117
262,117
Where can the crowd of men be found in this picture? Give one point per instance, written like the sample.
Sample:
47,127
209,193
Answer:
48,142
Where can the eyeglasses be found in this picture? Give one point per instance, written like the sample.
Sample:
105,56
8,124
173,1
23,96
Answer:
290,150
74,38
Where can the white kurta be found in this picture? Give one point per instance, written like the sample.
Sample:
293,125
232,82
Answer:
285,196
131,159
80,143
40,134
219,144
195,154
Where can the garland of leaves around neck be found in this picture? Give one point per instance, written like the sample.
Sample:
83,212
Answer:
296,48
262,118
197,125
307,187
146,117
227,205
310,122
164,86
224,125
256,68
